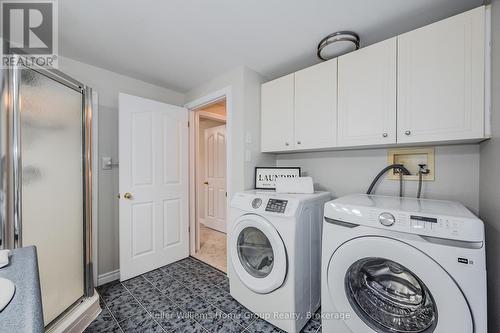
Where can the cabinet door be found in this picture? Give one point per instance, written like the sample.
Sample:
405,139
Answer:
367,95
277,114
316,106
441,80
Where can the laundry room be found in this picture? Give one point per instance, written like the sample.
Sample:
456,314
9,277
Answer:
219,166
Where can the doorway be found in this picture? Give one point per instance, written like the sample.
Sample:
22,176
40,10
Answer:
211,184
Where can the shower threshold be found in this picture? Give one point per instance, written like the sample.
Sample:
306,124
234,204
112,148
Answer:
78,317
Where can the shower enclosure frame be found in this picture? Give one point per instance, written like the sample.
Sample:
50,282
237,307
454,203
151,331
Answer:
10,167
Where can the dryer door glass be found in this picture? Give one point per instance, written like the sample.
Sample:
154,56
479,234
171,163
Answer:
255,252
390,298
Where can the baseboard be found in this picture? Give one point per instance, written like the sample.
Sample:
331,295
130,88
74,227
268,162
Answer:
108,277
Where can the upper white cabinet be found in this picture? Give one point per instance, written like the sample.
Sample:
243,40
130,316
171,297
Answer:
299,111
316,106
425,86
367,95
441,80
277,104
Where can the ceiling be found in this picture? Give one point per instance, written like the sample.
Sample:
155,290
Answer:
179,44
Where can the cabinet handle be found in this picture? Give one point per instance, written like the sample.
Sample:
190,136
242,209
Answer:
407,132
385,135
298,142
287,144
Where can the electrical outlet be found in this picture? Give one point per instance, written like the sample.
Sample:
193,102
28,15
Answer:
411,158
248,137
248,156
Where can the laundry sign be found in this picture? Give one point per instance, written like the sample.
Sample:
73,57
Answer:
265,177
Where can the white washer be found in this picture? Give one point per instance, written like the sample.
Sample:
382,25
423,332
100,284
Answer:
402,265
274,250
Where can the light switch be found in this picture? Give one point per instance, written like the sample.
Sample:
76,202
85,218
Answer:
106,163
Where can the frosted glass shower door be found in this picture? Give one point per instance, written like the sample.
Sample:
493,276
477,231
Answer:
52,187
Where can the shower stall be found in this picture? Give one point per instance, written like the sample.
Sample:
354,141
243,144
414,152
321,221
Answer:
45,180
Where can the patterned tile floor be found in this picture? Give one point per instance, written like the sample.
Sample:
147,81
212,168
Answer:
186,296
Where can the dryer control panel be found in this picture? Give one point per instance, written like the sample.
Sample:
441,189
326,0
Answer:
276,206
266,203
270,203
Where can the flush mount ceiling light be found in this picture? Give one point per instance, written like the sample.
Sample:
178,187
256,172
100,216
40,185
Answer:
337,44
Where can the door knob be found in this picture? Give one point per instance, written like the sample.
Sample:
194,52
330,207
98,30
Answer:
407,132
206,183
298,142
385,135
127,195
287,144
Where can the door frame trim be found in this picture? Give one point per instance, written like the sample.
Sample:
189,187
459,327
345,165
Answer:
199,103
211,116
95,186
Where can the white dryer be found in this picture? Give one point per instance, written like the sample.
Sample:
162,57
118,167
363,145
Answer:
402,265
274,249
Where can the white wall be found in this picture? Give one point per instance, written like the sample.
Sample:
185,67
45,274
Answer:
489,195
351,171
244,121
108,84
253,82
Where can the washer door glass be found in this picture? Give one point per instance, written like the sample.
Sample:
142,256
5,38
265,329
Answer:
390,298
255,252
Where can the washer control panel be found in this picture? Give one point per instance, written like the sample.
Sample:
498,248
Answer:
276,206
417,223
429,218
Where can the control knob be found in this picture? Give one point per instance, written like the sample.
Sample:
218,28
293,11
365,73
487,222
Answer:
256,203
386,219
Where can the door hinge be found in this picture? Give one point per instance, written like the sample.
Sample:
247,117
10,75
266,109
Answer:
188,123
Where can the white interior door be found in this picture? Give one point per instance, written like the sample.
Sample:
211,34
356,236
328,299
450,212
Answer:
153,139
215,174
